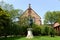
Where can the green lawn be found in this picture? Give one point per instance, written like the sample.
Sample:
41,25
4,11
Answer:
35,38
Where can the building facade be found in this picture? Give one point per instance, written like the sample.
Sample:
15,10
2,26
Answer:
31,13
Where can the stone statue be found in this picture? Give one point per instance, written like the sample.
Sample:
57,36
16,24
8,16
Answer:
30,22
30,35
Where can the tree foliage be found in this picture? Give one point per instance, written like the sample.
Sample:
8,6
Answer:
14,13
51,17
4,21
7,16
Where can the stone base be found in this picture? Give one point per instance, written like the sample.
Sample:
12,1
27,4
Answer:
29,35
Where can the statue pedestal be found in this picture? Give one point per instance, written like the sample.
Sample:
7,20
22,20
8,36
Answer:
29,33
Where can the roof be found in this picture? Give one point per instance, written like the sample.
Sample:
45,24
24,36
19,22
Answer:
30,10
56,24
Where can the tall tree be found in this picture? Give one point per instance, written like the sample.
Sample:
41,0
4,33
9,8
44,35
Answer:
51,17
4,22
6,6
10,9
15,13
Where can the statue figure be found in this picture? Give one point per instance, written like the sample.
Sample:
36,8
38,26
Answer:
30,22
30,35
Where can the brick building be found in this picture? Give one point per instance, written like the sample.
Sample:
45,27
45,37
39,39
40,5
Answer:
30,12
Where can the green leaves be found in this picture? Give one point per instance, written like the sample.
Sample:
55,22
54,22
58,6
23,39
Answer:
51,17
14,13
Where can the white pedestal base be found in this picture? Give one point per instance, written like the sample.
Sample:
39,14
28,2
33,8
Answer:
29,35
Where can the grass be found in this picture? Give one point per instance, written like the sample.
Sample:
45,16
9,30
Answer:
35,38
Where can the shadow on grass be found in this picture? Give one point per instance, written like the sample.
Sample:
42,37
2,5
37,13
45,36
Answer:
10,38
34,38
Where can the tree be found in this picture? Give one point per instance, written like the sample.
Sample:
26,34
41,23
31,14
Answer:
23,21
6,6
8,21
15,13
4,22
52,17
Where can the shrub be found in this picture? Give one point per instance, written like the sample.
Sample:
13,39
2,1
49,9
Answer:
45,30
36,30
23,30
52,32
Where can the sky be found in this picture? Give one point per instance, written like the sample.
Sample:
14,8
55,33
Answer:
39,6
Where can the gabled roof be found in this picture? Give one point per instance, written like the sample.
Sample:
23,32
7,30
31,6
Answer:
30,10
56,24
